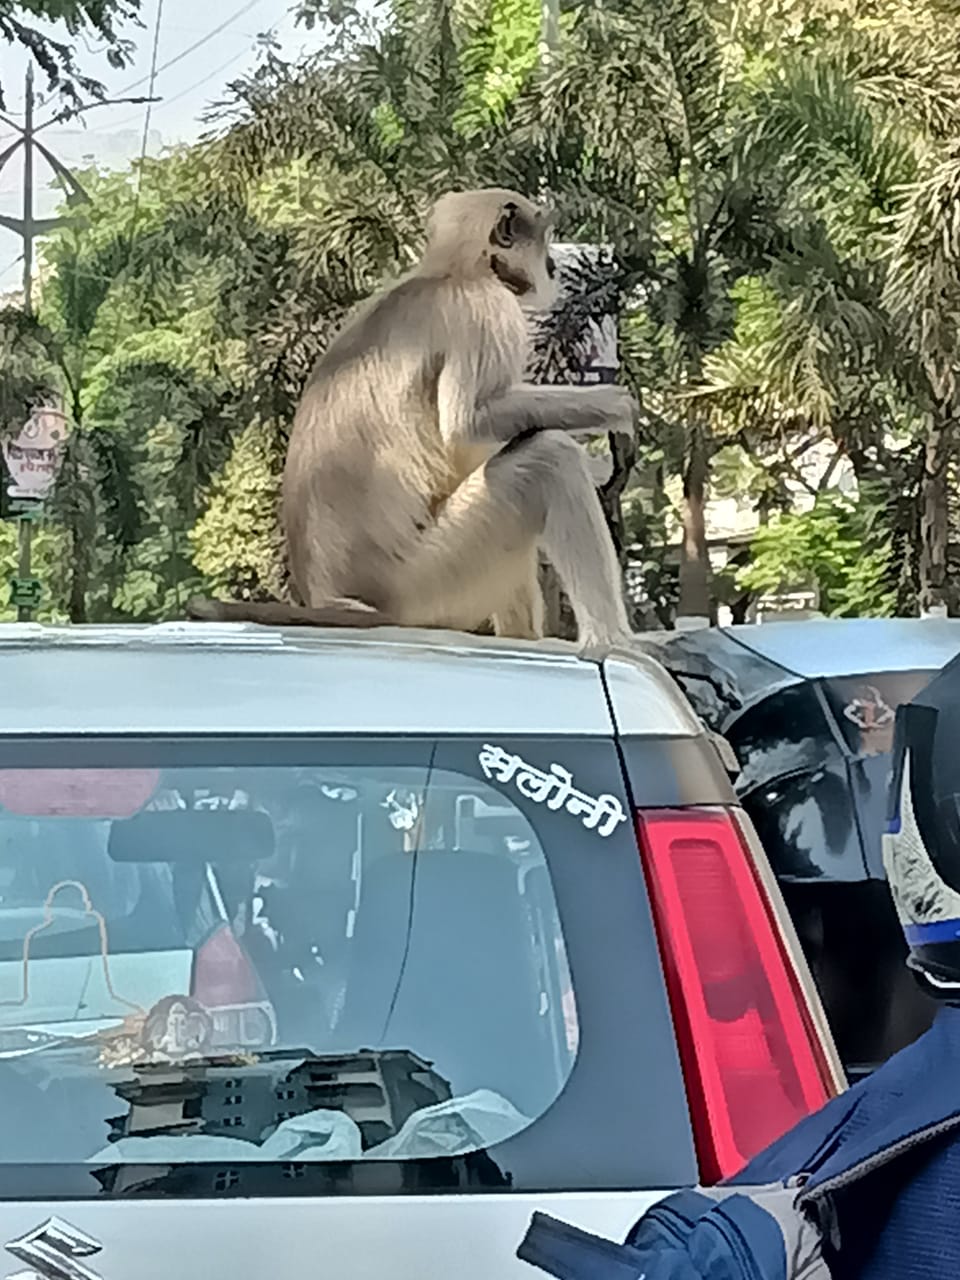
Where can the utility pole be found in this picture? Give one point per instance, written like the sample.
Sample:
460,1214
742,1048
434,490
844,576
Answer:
549,29
24,588
27,514
29,228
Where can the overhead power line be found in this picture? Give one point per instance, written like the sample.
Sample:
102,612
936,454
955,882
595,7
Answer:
197,44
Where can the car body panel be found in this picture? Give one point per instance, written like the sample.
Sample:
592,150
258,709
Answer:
417,1238
754,661
808,709
829,647
202,678
641,701
816,796
616,721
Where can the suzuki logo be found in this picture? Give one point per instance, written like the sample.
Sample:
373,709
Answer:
53,1252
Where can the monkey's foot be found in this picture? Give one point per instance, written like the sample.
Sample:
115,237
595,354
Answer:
595,638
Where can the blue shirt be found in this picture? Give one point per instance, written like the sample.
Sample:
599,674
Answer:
903,1222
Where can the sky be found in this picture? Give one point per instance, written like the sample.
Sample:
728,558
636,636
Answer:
201,48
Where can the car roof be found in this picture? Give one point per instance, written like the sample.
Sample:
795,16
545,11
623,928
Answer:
824,648
726,670
186,678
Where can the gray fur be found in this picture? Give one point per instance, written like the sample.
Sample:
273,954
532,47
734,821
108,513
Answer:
399,503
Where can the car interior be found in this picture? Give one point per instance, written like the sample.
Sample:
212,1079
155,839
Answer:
337,911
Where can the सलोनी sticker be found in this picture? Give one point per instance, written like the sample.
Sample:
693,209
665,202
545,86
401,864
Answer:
554,789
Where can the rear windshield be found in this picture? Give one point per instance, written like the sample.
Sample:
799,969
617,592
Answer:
815,763
328,957
864,707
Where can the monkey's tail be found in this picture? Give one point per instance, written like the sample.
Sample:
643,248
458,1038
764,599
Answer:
275,613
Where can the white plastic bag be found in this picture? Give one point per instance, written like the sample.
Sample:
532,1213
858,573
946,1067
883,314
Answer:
471,1123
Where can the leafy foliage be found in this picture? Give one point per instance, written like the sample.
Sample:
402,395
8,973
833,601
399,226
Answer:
774,185
831,546
29,368
237,541
102,19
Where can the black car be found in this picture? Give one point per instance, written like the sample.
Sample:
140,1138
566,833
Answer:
808,708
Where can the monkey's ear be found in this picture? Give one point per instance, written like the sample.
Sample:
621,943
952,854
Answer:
504,234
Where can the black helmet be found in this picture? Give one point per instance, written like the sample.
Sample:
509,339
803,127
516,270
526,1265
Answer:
921,848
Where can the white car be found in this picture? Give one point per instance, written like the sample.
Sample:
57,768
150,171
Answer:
342,953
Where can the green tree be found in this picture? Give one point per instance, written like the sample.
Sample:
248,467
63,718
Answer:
103,20
778,283
237,540
28,359
834,547
923,292
848,335
151,382
637,127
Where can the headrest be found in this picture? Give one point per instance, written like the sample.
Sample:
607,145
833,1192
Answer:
444,964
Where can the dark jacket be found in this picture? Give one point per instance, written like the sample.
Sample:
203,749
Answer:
868,1188
881,1165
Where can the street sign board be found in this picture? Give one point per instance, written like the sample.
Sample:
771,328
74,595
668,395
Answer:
26,593
25,508
34,457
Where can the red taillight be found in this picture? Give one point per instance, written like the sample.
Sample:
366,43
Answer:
222,974
751,1057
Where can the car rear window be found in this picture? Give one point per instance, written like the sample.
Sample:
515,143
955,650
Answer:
815,763
864,707
341,966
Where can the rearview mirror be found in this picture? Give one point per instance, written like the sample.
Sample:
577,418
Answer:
193,836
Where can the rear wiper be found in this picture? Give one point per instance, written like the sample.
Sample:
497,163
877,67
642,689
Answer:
720,683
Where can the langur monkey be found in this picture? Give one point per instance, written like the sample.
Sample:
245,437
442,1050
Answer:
422,475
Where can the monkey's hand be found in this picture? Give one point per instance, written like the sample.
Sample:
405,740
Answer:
578,410
619,407
602,410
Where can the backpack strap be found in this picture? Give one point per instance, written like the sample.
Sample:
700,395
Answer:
568,1253
706,1234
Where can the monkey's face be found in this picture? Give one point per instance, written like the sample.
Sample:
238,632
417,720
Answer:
520,252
